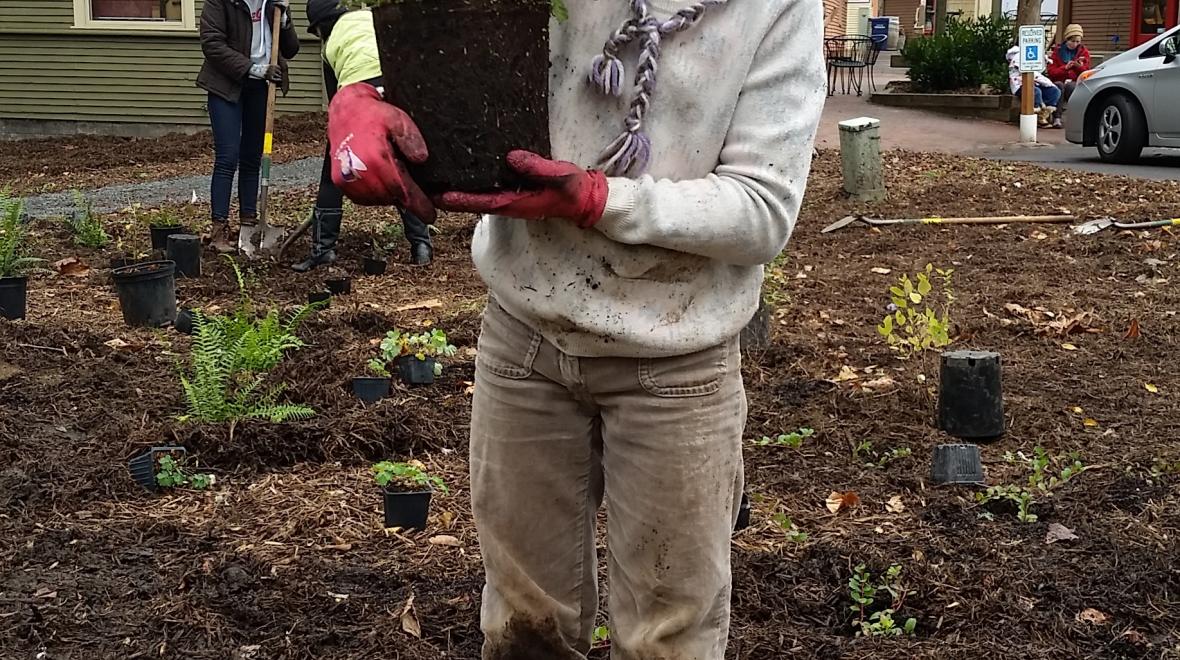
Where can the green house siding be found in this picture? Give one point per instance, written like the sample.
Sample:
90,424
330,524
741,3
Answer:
50,70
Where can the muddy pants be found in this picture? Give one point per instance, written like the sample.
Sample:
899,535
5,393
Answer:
551,435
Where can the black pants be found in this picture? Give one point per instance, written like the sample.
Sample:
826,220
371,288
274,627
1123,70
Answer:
331,197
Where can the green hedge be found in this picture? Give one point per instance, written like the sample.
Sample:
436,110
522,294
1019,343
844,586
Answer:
966,54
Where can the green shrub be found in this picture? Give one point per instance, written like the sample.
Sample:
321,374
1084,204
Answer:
966,54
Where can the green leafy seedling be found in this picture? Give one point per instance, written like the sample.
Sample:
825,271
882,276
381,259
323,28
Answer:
408,475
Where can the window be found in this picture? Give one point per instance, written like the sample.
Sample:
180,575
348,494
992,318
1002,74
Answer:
135,14
1153,17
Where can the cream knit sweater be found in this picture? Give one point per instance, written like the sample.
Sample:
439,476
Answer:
675,264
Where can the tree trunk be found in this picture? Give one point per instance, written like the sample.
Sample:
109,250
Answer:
1028,13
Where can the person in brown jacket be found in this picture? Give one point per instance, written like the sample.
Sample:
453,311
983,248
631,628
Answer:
236,41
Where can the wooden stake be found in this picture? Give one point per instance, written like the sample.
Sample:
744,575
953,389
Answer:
1027,94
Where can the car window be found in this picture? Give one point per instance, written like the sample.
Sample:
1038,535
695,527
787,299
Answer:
1154,51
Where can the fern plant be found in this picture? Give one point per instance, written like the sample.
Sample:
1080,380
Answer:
87,229
231,357
14,260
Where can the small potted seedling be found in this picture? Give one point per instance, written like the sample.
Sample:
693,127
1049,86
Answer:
416,356
164,467
407,489
371,389
375,262
163,224
15,264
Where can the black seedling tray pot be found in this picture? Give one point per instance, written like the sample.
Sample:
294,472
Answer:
957,464
160,236
370,389
185,251
339,286
147,293
143,466
322,297
970,397
374,266
413,371
407,510
184,321
14,296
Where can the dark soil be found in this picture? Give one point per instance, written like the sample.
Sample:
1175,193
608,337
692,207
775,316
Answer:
91,161
286,557
474,77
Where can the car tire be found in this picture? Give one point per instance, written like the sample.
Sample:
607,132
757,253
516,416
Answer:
1120,129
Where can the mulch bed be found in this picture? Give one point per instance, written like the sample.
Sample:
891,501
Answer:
84,162
286,556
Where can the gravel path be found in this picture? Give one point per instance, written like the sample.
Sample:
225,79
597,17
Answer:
296,174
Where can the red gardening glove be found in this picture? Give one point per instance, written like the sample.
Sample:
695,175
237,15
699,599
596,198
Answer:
362,133
563,190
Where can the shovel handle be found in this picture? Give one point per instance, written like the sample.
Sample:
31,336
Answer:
994,220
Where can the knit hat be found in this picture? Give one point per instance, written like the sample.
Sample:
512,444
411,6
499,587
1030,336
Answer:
630,153
321,11
1073,30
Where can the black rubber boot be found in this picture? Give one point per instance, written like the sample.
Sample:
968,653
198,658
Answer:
325,229
418,234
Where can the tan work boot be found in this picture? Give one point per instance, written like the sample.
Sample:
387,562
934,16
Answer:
219,238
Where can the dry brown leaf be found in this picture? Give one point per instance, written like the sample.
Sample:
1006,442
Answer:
1133,331
410,619
72,267
1092,616
847,373
1058,532
1151,388
1069,347
895,505
1089,421
838,501
444,539
424,304
879,384
881,271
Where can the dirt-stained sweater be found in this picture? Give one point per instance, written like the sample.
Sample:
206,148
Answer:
675,264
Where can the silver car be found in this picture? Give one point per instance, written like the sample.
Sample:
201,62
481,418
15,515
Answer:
1129,102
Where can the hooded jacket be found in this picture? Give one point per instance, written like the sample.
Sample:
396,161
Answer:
226,35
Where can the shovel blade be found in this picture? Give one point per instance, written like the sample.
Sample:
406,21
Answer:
840,224
272,238
1093,226
248,240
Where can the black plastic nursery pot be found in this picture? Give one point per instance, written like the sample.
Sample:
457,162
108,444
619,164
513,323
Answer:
143,466
375,266
413,371
14,296
743,519
185,251
184,321
339,286
957,464
323,298
147,293
407,510
370,389
160,235
474,76
970,397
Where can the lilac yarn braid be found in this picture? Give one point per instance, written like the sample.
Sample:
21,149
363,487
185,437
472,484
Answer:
630,153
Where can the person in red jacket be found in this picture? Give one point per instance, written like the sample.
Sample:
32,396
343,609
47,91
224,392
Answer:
1067,62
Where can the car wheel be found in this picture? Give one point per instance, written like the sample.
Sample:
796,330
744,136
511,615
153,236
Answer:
1120,129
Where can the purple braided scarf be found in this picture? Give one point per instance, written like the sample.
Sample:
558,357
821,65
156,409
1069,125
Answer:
630,153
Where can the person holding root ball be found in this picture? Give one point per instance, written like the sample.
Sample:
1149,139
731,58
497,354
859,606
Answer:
608,363
350,59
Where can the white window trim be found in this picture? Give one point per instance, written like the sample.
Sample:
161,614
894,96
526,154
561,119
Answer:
187,22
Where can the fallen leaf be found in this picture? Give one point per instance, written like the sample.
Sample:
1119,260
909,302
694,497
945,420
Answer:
1089,422
410,619
425,304
881,271
1069,347
847,373
1151,388
1077,410
1040,235
1058,532
895,505
72,267
837,501
443,539
116,343
878,384
1092,616
1133,331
